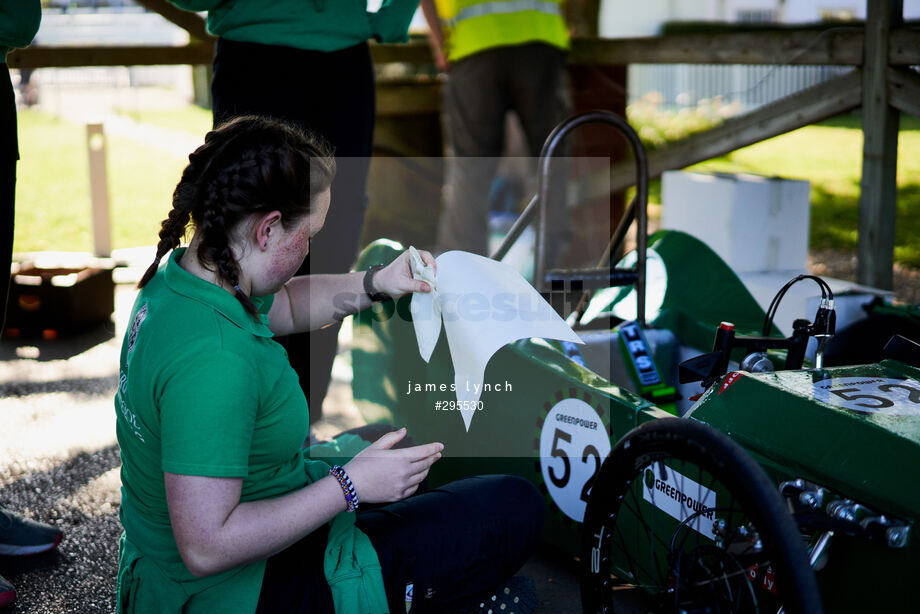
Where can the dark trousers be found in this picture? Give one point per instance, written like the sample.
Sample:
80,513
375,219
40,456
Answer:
9,153
455,544
527,79
331,94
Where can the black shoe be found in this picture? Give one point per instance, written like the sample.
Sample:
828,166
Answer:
7,592
20,536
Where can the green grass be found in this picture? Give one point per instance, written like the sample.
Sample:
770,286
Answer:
829,156
190,118
52,189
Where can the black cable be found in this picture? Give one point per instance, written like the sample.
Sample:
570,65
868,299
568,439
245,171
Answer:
774,305
826,295
768,316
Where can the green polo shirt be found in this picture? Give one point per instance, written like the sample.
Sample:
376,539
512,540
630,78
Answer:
320,25
205,390
19,21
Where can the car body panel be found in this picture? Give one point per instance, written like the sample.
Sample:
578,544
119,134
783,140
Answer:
553,420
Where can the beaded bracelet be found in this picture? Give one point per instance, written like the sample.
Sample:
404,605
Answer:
351,497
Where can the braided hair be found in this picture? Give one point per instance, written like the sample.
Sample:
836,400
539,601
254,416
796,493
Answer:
249,165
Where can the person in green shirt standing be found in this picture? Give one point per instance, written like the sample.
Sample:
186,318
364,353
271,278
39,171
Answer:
308,62
222,509
19,21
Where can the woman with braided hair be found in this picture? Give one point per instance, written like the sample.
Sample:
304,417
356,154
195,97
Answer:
222,509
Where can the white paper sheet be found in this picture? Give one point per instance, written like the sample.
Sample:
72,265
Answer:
484,305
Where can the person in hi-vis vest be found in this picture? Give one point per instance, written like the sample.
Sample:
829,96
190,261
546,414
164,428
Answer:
500,55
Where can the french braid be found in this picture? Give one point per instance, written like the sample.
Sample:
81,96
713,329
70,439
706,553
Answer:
215,247
172,229
249,165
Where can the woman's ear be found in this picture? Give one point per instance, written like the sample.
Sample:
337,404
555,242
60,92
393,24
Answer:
265,228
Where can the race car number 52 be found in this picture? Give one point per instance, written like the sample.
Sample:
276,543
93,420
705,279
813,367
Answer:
573,444
871,395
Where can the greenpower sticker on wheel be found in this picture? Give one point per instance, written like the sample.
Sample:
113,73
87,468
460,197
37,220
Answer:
680,498
871,395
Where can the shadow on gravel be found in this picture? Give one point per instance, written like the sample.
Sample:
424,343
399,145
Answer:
90,386
62,348
13,566
59,481
78,577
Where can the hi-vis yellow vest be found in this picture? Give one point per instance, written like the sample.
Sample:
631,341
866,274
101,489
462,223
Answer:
477,25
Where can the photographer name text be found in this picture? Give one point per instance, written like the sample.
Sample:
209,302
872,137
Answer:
470,387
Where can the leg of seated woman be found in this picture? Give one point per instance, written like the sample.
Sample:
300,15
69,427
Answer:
452,543
294,580
456,541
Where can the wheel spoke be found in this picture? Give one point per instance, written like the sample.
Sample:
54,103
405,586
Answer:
633,569
635,512
697,574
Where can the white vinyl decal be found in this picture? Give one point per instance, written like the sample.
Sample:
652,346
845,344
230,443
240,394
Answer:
573,444
680,497
871,395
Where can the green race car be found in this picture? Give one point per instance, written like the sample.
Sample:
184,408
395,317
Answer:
785,482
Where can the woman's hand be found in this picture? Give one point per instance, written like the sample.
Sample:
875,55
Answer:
383,475
396,279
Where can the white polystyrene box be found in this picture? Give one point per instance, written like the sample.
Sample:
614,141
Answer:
752,222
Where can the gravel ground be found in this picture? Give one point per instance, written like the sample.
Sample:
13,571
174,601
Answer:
59,460
842,265
59,464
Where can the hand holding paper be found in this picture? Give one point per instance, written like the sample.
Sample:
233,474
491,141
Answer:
484,305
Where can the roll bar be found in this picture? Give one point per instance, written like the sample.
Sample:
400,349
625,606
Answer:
637,208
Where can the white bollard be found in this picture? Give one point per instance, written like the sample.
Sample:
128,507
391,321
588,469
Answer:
99,191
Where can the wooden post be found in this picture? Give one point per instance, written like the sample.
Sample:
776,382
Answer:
878,188
99,191
201,85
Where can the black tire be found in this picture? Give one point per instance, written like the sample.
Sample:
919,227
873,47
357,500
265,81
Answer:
626,566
